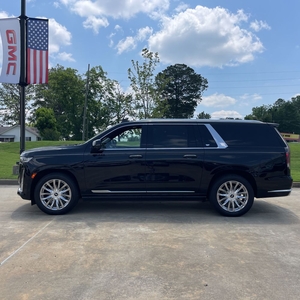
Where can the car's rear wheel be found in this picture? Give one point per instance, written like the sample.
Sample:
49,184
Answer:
232,195
56,194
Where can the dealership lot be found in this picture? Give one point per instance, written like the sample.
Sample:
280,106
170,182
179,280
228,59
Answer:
149,250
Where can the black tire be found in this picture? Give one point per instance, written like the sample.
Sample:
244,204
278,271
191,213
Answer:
231,195
56,194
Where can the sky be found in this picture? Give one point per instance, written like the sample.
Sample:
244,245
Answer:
249,51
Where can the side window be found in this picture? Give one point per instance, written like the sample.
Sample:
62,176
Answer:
248,134
171,136
207,141
128,137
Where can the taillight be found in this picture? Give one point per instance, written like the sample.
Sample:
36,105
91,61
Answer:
287,156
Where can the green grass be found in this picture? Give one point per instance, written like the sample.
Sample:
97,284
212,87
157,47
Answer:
295,161
9,155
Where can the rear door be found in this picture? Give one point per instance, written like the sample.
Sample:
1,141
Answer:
174,159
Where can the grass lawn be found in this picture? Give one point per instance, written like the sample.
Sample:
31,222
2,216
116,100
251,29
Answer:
295,161
9,154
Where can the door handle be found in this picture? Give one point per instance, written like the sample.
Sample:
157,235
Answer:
135,156
190,156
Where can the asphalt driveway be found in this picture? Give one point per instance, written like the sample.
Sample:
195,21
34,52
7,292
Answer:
149,251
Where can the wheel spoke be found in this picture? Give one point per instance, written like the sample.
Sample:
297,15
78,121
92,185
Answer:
55,194
232,196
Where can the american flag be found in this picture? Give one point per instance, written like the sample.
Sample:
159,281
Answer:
37,51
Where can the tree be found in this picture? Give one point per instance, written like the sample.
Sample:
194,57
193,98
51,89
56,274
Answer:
107,104
262,113
182,90
64,94
146,93
10,102
46,123
119,106
285,113
203,115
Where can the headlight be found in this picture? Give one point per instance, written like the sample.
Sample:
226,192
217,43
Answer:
24,159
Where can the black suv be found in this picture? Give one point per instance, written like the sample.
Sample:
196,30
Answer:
228,162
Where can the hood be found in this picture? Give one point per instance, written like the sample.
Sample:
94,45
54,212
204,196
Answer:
51,150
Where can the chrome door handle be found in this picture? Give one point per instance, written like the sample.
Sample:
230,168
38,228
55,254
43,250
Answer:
189,155
135,156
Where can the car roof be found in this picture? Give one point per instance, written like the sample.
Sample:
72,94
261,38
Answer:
195,121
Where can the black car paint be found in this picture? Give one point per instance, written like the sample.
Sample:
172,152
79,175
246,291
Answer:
153,173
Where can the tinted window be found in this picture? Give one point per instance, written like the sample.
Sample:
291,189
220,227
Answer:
129,137
171,136
243,134
206,138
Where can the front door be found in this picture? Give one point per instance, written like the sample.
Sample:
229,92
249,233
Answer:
119,167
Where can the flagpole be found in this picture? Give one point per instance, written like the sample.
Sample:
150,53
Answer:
22,82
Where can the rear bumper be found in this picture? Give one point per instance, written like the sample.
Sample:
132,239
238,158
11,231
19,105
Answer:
275,187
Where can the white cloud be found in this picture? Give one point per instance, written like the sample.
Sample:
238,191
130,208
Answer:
205,37
56,4
126,44
58,36
226,114
254,97
249,99
259,25
95,23
98,11
181,7
65,56
144,33
4,15
130,42
217,100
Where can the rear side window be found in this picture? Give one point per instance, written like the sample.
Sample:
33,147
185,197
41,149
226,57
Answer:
250,135
171,136
206,140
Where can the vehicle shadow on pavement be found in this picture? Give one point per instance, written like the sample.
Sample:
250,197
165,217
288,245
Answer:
93,212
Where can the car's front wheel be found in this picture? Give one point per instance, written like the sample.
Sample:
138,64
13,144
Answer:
56,194
232,195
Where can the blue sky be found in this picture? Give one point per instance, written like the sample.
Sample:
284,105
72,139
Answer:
249,51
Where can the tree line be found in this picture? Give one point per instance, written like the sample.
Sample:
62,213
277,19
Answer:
58,108
285,113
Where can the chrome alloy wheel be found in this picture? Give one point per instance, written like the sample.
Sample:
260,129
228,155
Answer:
232,196
55,194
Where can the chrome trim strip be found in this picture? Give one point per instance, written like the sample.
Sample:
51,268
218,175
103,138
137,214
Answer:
131,192
115,192
170,192
220,142
280,191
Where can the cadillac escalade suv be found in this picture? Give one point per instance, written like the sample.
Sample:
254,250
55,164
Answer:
227,162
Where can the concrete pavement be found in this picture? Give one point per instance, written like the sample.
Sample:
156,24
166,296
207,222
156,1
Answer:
149,251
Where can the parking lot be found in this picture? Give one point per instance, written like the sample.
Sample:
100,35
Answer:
149,251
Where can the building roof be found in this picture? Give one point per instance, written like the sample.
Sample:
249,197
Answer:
5,130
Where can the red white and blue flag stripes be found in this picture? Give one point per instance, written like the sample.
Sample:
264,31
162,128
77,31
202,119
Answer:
37,51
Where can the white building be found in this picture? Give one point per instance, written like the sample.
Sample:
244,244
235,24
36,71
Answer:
12,134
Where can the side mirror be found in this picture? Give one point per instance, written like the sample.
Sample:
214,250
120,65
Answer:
98,145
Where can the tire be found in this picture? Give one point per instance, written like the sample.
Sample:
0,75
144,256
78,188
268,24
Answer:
231,195
56,194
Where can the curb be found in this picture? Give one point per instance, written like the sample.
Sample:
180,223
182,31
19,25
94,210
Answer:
9,182
15,182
